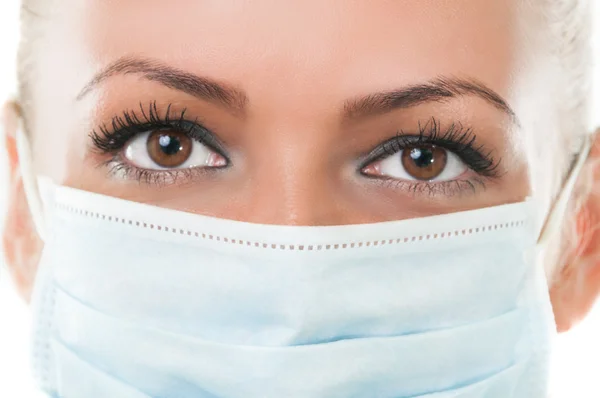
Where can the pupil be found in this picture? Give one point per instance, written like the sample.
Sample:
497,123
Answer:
422,157
169,145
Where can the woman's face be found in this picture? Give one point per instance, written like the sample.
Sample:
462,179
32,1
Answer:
304,113
290,112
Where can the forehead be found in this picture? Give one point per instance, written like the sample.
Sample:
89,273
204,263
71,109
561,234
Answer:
325,47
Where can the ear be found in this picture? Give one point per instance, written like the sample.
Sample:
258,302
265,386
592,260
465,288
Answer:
577,284
22,246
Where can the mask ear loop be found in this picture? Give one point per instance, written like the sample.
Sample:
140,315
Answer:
30,185
558,210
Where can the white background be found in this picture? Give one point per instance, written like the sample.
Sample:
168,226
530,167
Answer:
576,368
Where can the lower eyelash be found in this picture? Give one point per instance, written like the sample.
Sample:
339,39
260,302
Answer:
444,188
125,171
111,142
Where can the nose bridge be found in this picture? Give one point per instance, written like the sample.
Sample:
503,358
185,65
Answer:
294,180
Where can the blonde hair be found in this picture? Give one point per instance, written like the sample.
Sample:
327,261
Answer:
568,24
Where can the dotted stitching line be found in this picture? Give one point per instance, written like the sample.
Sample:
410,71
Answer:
208,236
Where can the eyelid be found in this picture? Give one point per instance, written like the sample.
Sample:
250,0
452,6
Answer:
454,138
201,134
130,123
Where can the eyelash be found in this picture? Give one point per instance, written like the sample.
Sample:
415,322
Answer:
454,138
111,140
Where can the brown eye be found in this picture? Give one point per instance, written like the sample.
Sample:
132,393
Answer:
424,162
169,149
421,163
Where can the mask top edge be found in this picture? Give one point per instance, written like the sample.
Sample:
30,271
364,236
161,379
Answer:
153,217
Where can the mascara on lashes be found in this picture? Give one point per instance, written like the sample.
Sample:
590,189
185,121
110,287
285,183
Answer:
455,138
123,128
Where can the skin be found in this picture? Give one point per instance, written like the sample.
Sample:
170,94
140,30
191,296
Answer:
295,153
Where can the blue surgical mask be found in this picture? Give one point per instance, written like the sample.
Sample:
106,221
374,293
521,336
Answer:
138,301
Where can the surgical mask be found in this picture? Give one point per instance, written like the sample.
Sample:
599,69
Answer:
138,301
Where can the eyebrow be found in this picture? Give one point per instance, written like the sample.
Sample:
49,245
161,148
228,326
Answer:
437,90
197,86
